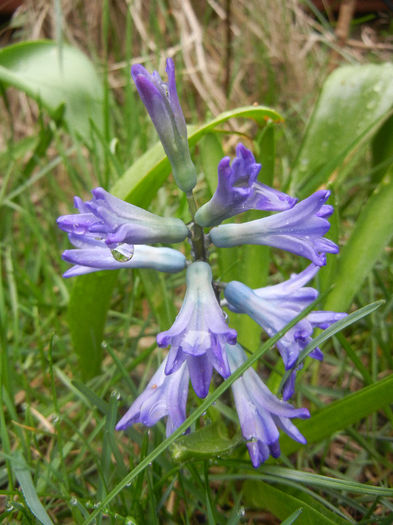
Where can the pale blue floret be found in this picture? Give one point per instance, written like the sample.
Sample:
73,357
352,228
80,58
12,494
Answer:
260,412
299,230
199,332
162,103
273,307
92,255
238,190
115,221
164,396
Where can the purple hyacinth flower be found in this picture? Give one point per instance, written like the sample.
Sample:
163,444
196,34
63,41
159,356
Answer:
115,221
162,103
273,307
199,332
238,190
164,396
92,255
260,412
299,230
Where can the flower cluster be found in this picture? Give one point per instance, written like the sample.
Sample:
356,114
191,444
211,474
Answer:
108,233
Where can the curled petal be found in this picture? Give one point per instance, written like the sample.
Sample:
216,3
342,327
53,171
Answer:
238,191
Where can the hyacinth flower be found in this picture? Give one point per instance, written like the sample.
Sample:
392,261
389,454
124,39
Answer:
238,190
164,396
92,255
199,332
115,221
273,307
261,414
299,230
162,103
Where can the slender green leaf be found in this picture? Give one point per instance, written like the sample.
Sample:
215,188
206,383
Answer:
325,482
22,473
53,79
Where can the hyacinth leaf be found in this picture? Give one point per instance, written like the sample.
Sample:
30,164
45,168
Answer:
343,413
56,76
372,232
211,440
353,104
90,296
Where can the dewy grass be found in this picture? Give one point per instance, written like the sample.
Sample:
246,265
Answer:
74,463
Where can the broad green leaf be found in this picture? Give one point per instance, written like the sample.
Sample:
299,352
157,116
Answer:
91,293
87,310
353,103
372,232
341,414
282,504
22,474
211,440
55,76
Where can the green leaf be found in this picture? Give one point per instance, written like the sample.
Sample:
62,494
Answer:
54,76
22,473
325,482
372,232
354,102
208,441
283,504
90,297
341,414
87,310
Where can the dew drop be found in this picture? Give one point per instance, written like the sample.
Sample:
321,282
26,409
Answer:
79,229
115,395
242,512
123,253
73,501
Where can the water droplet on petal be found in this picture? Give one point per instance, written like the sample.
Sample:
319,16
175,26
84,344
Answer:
123,253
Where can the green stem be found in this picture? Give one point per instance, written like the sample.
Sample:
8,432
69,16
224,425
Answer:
197,236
